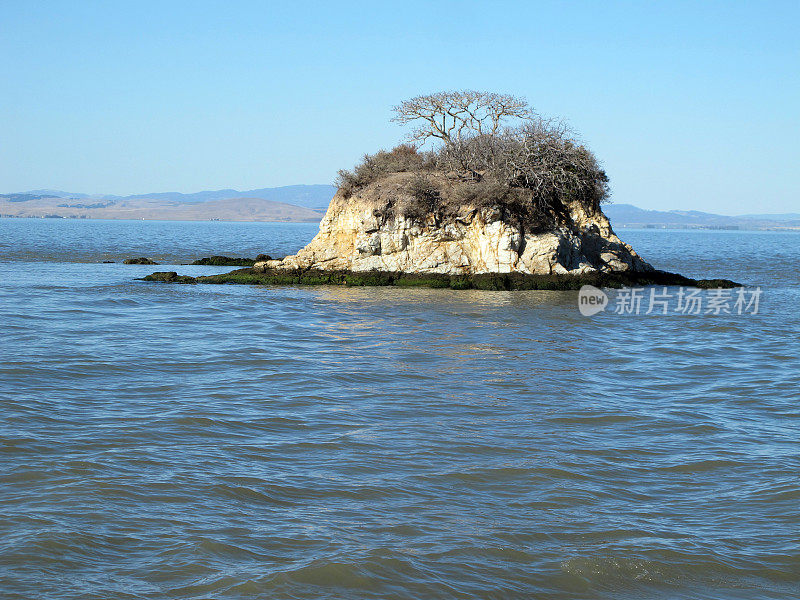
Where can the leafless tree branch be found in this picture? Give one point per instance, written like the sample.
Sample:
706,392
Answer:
452,116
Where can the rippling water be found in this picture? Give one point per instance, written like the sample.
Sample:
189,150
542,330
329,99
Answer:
162,441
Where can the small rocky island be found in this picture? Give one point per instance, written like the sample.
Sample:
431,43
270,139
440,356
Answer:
386,225
504,200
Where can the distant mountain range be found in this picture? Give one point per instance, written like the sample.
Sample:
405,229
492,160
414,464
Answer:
307,203
293,203
310,196
627,215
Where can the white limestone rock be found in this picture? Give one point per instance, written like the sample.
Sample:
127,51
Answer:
368,231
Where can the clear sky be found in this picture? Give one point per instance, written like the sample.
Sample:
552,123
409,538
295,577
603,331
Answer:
689,105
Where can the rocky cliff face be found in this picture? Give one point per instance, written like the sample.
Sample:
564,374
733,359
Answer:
371,231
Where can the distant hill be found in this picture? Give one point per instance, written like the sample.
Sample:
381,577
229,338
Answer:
310,196
228,209
627,215
56,194
23,197
775,217
293,203
304,203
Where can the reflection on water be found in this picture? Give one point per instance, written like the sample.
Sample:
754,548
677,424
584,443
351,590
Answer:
464,299
163,441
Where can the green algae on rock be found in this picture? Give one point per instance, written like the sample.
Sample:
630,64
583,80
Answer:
169,277
481,281
227,261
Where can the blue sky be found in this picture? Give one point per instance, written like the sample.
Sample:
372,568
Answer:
689,105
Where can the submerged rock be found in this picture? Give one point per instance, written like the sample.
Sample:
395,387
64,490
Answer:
169,277
380,228
139,261
227,261
485,281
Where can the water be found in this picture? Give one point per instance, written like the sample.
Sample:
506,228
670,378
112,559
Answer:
164,441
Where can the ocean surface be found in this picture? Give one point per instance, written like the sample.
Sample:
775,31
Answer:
186,442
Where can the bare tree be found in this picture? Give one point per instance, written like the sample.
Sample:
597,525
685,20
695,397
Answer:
452,116
495,141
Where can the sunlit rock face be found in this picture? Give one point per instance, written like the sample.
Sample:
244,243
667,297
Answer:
370,231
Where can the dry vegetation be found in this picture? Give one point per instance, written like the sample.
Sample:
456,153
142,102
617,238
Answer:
488,150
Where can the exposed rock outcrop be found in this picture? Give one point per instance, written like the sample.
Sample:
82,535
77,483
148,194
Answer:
139,261
376,229
227,261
